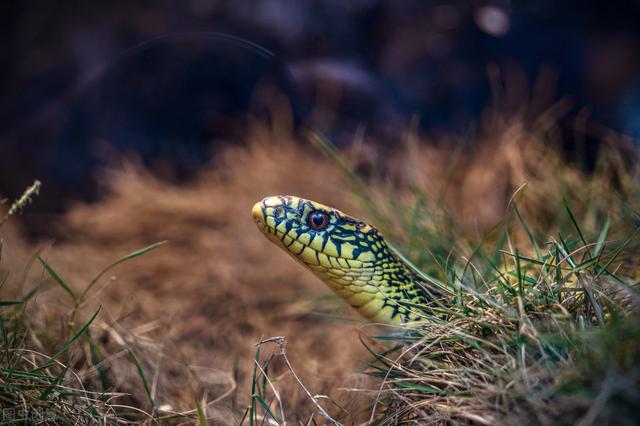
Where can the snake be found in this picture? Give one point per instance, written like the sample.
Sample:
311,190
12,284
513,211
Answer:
349,255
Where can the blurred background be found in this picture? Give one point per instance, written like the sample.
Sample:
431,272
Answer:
166,120
171,83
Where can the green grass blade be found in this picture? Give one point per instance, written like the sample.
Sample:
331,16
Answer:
58,279
252,411
140,372
266,408
116,263
573,220
55,384
5,337
29,295
618,251
96,360
11,302
70,342
202,419
80,332
418,387
27,375
527,230
601,238
566,250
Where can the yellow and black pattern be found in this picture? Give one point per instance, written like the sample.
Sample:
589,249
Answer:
350,256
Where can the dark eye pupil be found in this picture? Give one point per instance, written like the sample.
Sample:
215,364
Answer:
318,220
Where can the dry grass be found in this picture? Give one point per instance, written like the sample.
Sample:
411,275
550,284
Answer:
541,324
192,310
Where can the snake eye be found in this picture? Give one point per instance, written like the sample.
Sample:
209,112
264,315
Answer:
318,220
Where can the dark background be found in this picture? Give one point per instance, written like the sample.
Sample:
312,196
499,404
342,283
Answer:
84,82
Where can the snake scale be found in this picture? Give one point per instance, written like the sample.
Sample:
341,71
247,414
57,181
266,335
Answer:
349,255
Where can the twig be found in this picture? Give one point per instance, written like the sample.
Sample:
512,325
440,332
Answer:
281,342
275,392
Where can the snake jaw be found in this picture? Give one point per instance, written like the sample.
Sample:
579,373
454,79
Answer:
350,256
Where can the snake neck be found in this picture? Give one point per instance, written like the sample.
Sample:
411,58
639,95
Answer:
382,291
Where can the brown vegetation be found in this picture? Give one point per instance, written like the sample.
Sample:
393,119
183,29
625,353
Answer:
194,309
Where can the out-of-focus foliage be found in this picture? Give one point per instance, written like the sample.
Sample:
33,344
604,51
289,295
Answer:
84,82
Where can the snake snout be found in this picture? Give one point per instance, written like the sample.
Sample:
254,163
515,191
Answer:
257,213
266,211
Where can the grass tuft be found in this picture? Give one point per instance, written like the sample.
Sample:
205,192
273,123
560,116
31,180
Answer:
44,370
539,324
536,328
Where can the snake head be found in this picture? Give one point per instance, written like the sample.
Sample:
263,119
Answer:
350,256
308,230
